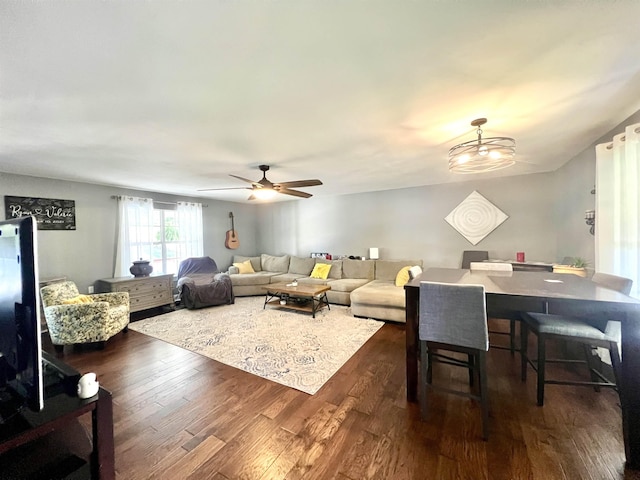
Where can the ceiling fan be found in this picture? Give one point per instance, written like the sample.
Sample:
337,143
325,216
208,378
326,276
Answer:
264,188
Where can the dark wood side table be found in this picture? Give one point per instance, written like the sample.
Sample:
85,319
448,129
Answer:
62,407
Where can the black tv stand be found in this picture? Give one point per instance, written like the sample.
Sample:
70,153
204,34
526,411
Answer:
24,431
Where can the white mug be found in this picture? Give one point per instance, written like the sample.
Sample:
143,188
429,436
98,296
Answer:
88,385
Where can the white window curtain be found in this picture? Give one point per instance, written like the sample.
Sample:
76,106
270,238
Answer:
135,232
617,229
617,209
190,228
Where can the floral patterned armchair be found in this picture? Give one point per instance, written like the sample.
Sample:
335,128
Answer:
73,318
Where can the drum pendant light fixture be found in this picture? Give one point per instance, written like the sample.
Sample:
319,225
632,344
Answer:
482,155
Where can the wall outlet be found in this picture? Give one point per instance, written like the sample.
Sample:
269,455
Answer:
90,289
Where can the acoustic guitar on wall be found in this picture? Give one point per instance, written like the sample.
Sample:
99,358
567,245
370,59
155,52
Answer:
232,241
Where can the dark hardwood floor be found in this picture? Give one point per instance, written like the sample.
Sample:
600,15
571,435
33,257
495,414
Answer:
179,415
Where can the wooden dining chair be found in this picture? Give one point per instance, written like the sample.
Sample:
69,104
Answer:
511,317
570,329
453,318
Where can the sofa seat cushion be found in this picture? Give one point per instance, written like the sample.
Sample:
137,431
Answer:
313,281
380,293
258,278
284,277
347,284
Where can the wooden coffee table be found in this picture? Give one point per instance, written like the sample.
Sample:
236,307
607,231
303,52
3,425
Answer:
304,298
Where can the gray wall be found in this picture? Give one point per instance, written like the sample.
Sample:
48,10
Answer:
88,253
409,223
546,221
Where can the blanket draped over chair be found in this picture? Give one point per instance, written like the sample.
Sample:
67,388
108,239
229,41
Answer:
200,284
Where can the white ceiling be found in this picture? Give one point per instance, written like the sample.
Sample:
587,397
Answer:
173,96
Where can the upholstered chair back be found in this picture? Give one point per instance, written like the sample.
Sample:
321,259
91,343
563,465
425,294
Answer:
495,266
453,314
614,282
57,293
469,256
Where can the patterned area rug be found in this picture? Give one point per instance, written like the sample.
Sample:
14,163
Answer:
284,346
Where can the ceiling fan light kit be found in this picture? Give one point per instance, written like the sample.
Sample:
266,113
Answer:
482,155
263,193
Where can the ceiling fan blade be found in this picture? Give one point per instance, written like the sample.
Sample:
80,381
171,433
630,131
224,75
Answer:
295,193
225,188
244,179
300,183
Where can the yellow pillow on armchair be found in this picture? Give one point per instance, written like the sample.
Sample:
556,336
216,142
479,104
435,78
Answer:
78,300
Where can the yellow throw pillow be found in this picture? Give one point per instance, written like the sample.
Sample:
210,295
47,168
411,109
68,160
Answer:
244,267
403,276
77,300
321,270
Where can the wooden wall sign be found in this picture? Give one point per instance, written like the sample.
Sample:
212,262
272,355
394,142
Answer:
51,214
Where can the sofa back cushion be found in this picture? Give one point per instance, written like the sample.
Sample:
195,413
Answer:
387,270
358,269
301,265
271,263
255,262
336,267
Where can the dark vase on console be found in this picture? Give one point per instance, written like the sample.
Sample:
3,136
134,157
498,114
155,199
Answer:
141,268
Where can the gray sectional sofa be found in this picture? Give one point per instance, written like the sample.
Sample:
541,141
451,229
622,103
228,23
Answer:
367,285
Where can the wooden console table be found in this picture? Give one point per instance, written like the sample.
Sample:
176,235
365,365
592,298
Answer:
144,292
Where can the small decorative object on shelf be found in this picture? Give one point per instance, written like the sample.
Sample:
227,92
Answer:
578,266
294,283
141,268
590,219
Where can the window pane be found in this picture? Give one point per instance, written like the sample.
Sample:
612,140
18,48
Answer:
172,266
171,233
157,252
141,251
172,250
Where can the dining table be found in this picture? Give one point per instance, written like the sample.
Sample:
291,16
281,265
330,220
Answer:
509,293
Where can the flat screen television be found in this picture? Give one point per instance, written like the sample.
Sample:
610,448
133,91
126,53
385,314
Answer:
21,374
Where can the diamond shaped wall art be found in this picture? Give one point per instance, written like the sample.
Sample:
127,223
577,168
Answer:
475,218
